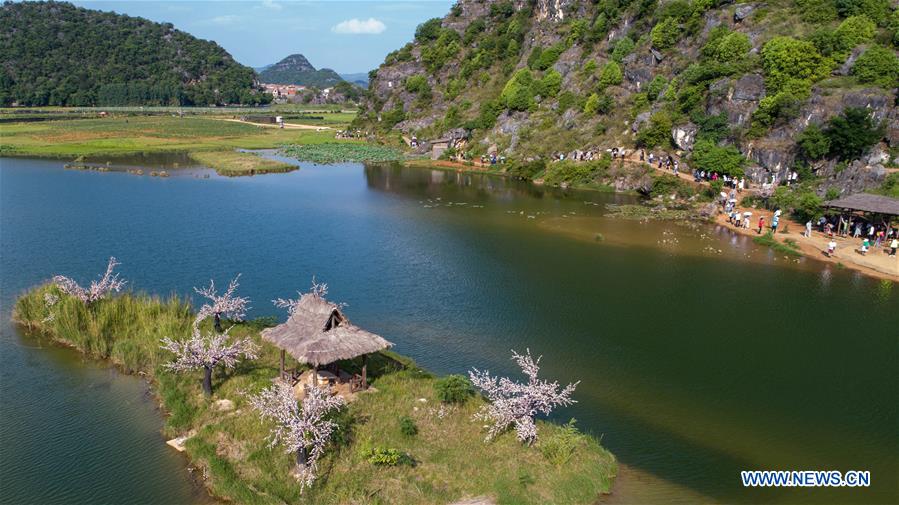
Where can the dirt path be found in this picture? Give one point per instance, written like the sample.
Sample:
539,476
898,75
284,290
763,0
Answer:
877,263
287,126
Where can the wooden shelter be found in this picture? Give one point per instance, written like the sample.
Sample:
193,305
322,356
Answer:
871,207
866,202
318,333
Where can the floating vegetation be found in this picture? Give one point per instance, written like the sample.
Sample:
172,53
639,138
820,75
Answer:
341,152
642,212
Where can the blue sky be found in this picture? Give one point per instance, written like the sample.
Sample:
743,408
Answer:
346,36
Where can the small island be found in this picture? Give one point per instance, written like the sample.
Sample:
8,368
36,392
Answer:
377,428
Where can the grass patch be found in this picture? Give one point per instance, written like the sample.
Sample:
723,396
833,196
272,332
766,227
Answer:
341,152
235,163
123,135
788,246
372,458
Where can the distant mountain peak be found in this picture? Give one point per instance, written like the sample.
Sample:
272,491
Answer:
296,62
296,69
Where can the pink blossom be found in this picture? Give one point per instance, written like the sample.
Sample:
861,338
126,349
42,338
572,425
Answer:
515,404
299,428
108,283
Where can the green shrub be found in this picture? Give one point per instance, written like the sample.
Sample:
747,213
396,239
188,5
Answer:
542,59
623,47
567,100
382,456
408,426
549,86
852,133
490,110
611,75
576,172
712,158
732,48
713,128
453,389
591,106
429,30
817,11
526,170
518,93
656,86
890,186
877,65
665,34
657,132
854,31
875,10
417,84
782,105
667,184
559,447
813,143
786,59
825,41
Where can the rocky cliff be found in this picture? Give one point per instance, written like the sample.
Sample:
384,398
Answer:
730,86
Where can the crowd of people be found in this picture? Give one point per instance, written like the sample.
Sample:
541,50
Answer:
871,234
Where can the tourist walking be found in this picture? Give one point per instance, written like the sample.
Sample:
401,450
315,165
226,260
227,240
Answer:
746,217
808,228
865,245
774,222
893,246
761,224
831,247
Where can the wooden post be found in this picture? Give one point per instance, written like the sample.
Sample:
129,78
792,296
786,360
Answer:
282,363
364,370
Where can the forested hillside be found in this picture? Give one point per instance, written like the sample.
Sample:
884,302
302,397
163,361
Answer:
758,88
53,53
296,69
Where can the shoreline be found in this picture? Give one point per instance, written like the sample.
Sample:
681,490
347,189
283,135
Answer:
813,247
228,448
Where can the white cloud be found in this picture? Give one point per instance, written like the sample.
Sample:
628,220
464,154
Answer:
271,4
370,26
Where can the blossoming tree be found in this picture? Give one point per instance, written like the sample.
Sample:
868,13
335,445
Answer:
304,429
206,352
227,304
319,289
516,403
109,283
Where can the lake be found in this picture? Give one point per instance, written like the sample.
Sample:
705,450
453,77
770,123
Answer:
700,354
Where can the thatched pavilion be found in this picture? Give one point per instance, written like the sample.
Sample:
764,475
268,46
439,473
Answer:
318,333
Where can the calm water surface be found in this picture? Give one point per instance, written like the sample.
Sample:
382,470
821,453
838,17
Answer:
699,353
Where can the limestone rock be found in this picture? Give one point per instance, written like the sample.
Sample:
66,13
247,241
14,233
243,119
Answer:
742,12
684,136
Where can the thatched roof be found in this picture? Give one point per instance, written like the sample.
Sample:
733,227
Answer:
866,202
318,333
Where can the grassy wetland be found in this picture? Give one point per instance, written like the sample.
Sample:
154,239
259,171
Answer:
443,458
211,139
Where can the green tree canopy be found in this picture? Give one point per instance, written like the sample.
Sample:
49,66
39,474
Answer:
852,133
877,65
786,59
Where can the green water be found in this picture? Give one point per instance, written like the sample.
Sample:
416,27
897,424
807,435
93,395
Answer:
699,353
